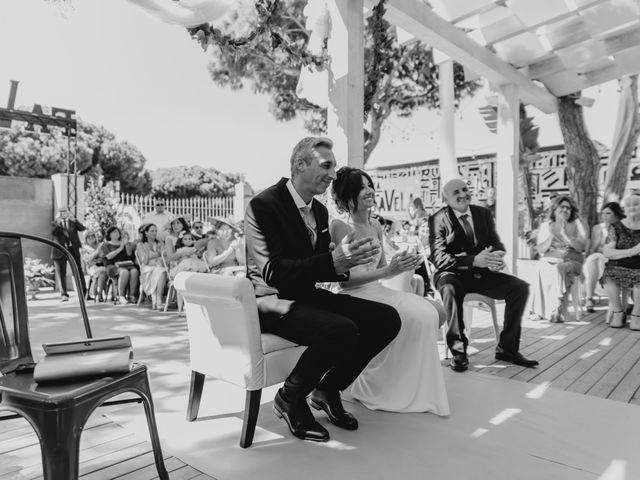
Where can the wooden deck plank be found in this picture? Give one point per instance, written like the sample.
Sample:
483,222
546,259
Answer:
118,465
555,351
605,375
184,473
600,351
615,375
32,462
625,390
99,464
572,359
149,472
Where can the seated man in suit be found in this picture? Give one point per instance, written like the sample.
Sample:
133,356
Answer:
288,251
468,254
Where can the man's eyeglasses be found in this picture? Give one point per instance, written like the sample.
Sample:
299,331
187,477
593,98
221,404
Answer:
159,204
197,227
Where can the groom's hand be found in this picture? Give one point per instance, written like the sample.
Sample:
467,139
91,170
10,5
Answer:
349,252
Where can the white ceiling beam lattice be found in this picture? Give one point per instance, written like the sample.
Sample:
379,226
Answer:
417,18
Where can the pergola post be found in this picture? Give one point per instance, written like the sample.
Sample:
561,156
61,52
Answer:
448,161
345,115
507,166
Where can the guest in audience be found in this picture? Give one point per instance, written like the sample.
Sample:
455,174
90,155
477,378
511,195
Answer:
288,253
118,256
406,376
153,275
468,256
594,263
161,218
197,230
225,253
416,211
177,227
65,232
187,257
622,270
490,201
94,266
561,244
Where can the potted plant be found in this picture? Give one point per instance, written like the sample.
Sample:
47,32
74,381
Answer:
37,275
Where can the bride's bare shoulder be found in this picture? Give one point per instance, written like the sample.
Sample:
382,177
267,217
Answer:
338,229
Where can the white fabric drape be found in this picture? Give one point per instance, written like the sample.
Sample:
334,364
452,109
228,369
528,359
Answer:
313,83
623,129
186,13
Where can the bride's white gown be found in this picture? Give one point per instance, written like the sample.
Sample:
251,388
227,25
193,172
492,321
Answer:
406,376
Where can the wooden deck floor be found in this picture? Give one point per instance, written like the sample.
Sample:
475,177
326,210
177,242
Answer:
107,451
585,356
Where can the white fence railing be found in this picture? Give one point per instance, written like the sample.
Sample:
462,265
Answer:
198,208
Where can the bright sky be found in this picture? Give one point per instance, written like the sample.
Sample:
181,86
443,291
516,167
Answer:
147,82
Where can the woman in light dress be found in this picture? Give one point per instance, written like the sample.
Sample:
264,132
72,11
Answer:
561,244
94,266
153,275
407,375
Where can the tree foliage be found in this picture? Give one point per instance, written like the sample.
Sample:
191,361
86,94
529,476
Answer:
399,78
183,182
583,160
101,205
38,154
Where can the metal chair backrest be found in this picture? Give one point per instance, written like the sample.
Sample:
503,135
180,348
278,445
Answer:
15,347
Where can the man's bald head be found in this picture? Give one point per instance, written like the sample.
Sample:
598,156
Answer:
456,194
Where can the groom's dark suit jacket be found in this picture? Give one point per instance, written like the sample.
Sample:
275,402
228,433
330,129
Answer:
280,257
451,251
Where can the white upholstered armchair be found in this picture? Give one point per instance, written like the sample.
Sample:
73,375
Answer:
226,342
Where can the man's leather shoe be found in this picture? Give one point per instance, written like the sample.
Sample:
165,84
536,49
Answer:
331,403
300,420
515,358
459,362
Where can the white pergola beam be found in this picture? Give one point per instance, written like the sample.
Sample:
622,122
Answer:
448,161
346,81
417,18
507,170
613,45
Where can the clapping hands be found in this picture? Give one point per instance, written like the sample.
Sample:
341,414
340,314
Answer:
351,252
404,261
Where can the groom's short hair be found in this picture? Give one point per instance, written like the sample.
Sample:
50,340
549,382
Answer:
304,149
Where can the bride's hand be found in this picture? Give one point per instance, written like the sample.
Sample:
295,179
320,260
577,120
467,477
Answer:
403,262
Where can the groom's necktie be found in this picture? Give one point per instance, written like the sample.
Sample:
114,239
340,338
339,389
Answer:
468,231
310,223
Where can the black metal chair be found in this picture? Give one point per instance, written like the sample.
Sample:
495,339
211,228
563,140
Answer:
57,412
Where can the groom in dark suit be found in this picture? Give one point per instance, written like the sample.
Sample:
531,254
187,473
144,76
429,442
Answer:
468,254
288,251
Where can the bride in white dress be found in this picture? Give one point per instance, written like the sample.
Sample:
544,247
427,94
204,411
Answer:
407,375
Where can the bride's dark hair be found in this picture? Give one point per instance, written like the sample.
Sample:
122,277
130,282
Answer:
346,187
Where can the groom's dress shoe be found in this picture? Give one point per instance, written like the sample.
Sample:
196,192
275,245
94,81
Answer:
331,403
300,420
515,358
459,362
